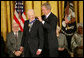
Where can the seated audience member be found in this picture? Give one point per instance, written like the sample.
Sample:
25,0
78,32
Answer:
77,41
14,41
62,42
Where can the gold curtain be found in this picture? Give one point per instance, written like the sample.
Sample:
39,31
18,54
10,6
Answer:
7,12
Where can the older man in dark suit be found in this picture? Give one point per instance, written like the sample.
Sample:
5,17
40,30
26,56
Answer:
49,21
32,40
14,41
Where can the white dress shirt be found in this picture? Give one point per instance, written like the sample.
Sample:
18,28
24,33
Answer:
48,15
30,27
16,33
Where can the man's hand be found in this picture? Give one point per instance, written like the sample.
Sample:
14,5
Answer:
40,19
38,52
60,49
18,53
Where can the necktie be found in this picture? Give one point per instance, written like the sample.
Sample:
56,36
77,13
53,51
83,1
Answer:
30,27
16,35
16,41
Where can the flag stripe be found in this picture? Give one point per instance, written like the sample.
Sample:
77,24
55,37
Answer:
16,14
23,15
22,19
19,12
18,22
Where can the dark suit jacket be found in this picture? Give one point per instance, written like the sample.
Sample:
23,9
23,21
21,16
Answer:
2,47
12,43
50,32
32,39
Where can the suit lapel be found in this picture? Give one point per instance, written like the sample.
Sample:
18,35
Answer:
28,25
49,16
47,19
32,26
12,37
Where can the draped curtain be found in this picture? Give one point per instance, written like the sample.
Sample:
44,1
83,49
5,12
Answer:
7,12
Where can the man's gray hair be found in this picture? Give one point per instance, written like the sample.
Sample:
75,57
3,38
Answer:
31,11
47,5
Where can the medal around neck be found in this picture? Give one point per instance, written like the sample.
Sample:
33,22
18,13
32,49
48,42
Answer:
31,22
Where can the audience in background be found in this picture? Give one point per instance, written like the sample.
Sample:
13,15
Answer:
69,22
77,41
62,44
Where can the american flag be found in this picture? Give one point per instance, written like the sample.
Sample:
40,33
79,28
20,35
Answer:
19,14
69,12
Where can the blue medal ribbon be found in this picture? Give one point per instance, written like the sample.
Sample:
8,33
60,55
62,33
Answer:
32,21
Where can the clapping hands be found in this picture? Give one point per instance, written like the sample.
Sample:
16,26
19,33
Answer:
17,53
